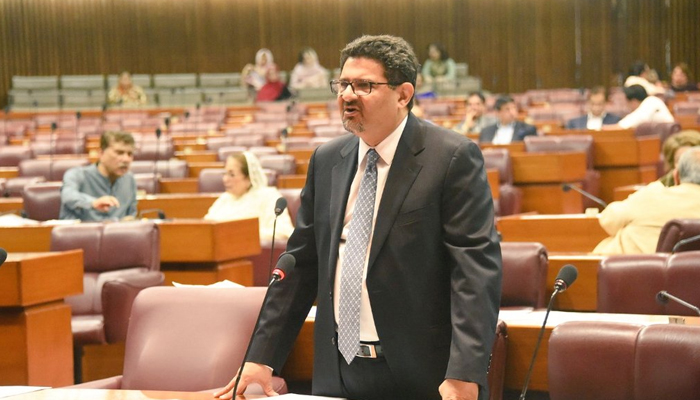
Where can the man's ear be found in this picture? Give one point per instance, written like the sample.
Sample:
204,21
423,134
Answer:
676,177
405,91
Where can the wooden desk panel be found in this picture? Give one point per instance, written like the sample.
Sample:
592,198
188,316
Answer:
113,394
513,148
626,152
23,239
197,167
9,172
550,199
291,181
494,182
184,205
178,185
548,167
558,233
583,295
11,204
611,178
204,156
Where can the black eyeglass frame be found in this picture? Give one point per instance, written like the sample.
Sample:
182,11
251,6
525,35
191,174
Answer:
335,82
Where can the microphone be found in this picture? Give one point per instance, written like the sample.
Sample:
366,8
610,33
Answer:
565,278
663,296
683,242
284,265
161,213
78,115
280,205
566,187
52,144
3,256
155,162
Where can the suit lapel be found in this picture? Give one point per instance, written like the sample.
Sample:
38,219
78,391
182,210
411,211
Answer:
403,172
341,179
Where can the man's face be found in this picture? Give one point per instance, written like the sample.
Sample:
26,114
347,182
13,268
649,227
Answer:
508,113
475,106
116,159
371,117
633,104
596,104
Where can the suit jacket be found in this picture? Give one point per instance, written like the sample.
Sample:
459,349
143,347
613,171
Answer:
434,270
634,225
520,130
582,122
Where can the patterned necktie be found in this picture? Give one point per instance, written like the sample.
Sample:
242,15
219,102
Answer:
354,261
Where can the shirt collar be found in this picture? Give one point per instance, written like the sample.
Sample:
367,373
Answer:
387,147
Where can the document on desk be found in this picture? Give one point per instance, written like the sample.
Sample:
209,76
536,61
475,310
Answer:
8,391
292,396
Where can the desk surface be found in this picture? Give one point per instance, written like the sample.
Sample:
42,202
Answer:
100,394
562,233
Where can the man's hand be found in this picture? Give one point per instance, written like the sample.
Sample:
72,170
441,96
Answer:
104,203
453,389
252,373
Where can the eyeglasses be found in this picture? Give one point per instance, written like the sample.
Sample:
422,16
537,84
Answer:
360,88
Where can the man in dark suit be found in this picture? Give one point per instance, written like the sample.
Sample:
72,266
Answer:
596,117
430,274
508,129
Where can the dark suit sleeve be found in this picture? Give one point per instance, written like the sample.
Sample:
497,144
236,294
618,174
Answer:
475,262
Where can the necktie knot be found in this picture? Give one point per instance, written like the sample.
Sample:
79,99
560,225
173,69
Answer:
372,158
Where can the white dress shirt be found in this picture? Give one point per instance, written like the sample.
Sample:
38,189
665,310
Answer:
386,150
504,134
594,123
652,109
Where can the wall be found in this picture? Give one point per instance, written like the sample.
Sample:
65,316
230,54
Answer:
514,45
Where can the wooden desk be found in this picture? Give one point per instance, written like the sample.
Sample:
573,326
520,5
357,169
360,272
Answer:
178,185
204,252
197,156
9,172
558,233
10,204
197,167
494,182
583,296
33,238
113,394
180,205
36,342
513,148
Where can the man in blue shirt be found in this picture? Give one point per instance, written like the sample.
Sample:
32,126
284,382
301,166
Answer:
105,190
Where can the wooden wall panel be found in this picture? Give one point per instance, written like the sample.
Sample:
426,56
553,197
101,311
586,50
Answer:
513,45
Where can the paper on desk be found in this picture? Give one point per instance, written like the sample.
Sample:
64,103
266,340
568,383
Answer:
7,391
221,284
293,396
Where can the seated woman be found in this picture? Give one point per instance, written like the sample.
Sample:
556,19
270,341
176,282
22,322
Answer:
672,150
439,67
254,77
308,73
126,93
248,196
682,79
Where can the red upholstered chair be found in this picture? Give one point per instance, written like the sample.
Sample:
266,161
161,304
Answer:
120,259
662,129
629,283
569,143
148,182
14,187
283,164
676,230
152,150
293,197
510,197
210,180
525,267
216,143
202,334
51,170
224,152
166,168
620,361
42,201
10,156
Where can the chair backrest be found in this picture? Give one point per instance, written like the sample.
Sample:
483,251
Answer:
499,159
149,182
42,201
549,144
10,156
166,168
619,361
293,197
284,164
51,170
224,152
629,283
662,129
211,180
14,187
202,336
676,230
154,151
524,274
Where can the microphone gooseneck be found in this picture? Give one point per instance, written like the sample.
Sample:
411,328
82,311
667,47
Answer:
683,242
565,278
280,205
663,297
284,265
567,187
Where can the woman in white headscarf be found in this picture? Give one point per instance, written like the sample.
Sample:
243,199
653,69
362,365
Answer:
255,76
248,196
308,73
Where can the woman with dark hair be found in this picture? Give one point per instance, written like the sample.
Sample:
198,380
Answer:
639,74
439,67
682,79
308,73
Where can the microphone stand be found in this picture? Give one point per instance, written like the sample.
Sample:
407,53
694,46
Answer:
78,115
279,209
155,162
683,242
566,187
51,149
663,296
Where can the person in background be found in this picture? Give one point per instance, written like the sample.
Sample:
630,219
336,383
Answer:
126,92
673,149
439,67
254,77
596,116
105,190
308,73
682,79
644,109
639,74
248,196
274,88
476,119
507,129
634,224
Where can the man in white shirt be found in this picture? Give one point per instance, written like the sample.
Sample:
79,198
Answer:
508,129
596,117
644,109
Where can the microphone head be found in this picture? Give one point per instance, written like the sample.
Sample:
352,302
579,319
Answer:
662,297
198,105
284,266
565,187
104,107
78,114
7,109
187,115
53,126
161,214
280,205
167,121
3,255
158,133
566,277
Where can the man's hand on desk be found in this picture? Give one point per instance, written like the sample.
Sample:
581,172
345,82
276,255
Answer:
104,203
252,373
453,389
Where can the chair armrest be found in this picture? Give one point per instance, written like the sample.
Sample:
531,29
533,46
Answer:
114,382
118,297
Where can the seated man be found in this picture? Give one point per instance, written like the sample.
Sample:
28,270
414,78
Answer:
635,223
475,120
644,109
596,117
508,129
105,190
